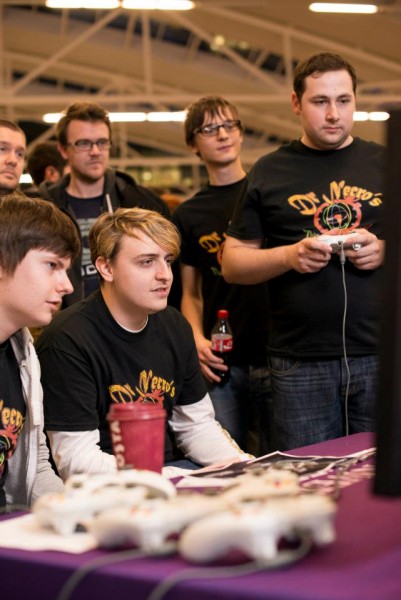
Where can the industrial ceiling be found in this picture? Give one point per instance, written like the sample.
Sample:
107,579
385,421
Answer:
163,60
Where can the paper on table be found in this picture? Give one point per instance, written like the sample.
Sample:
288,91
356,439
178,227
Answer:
25,533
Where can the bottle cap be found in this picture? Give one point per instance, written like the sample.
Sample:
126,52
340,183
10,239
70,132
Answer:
222,314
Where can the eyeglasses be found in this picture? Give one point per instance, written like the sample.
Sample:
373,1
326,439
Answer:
213,129
87,145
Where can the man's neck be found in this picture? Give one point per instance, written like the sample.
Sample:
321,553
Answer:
125,316
225,174
85,189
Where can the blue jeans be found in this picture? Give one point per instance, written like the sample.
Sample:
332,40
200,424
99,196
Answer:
242,402
308,399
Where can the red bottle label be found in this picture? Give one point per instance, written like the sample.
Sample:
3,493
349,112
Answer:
222,343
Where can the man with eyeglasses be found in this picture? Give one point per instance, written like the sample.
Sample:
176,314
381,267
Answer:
214,132
12,155
91,188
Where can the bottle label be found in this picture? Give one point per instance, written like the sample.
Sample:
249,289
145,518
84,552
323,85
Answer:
222,344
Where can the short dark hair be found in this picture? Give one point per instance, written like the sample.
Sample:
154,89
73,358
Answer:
213,105
321,62
45,154
33,224
11,125
81,111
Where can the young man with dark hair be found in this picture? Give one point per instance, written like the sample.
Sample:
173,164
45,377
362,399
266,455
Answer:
124,344
214,132
37,243
12,155
45,164
324,307
84,138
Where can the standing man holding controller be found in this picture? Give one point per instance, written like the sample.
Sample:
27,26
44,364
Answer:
214,132
323,367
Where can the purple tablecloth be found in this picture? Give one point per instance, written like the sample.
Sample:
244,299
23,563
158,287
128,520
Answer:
364,563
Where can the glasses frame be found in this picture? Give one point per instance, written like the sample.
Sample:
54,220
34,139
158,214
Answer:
102,144
214,128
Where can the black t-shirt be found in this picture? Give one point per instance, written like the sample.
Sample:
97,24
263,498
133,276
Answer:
296,192
203,221
86,211
12,408
89,361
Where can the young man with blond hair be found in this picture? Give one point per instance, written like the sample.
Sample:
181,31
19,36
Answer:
124,344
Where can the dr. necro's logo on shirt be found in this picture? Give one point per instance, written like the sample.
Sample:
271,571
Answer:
151,389
308,203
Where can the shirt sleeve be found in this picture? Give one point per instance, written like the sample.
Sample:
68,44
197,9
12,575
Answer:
79,452
200,436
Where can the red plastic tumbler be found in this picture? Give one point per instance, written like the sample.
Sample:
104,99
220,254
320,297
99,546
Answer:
137,435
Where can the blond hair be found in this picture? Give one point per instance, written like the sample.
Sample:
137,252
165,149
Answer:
106,234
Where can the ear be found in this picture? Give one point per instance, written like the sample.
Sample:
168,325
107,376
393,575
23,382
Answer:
51,173
62,151
105,268
194,149
296,106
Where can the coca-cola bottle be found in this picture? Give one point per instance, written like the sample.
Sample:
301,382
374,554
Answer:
222,343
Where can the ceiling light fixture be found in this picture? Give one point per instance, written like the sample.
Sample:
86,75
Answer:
331,7
128,4
131,117
371,116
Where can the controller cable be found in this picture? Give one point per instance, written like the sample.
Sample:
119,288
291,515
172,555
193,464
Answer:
342,262
285,557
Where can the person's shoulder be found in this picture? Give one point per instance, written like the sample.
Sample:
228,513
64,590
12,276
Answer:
69,323
53,191
288,148
368,145
171,318
133,194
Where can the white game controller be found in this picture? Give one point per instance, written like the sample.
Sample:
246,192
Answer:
149,525
337,242
259,483
86,495
256,527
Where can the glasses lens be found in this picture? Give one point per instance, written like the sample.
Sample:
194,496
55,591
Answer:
210,130
85,145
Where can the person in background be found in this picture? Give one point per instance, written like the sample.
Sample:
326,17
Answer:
91,187
124,344
45,165
324,306
37,243
12,155
214,132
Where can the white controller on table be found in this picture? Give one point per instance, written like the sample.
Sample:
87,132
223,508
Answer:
256,528
88,494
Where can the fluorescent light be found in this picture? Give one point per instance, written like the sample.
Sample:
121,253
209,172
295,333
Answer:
378,116
371,116
128,4
130,117
89,4
177,116
158,4
331,7
25,178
